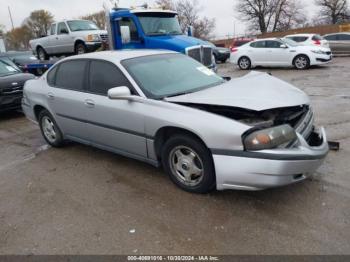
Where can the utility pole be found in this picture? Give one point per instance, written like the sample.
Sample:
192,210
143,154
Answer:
11,18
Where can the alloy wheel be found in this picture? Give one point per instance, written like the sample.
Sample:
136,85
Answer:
186,166
49,129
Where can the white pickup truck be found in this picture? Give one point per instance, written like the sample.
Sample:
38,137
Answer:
69,37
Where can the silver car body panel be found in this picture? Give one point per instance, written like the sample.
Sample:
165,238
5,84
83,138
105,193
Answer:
130,128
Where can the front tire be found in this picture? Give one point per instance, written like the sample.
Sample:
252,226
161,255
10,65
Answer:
301,62
80,48
50,129
189,164
244,63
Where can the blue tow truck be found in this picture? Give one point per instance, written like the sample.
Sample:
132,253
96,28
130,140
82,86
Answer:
154,29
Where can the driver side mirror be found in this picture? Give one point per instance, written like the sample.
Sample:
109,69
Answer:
284,46
125,34
119,93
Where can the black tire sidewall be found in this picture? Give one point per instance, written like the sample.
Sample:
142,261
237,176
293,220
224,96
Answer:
239,63
59,140
209,180
77,47
45,56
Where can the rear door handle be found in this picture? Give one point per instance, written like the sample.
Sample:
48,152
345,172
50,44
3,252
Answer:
51,96
89,103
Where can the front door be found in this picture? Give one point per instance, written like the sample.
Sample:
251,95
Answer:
277,54
129,35
116,125
63,40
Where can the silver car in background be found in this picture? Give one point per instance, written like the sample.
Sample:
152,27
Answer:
164,108
339,42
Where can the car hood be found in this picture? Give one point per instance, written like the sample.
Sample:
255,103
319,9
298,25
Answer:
14,81
255,91
176,43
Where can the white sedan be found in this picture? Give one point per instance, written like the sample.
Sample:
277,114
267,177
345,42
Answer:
274,52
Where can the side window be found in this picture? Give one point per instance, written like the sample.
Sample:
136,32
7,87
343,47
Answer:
317,38
104,76
51,76
259,44
70,75
298,39
273,44
53,29
134,36
62,29
343,37
331,37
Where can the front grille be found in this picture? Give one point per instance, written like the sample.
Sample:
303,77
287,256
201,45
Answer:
195,54
104,38
11,90
202,54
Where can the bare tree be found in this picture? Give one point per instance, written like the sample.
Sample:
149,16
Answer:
18,38
39,22
270,15
98,18
333,11
189,15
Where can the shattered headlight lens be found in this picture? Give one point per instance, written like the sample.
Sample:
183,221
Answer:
269,138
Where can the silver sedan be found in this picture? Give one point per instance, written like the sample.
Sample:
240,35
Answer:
164,108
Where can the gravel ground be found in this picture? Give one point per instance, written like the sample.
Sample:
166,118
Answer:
80,200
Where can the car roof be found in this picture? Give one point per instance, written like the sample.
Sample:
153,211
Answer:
117,56
340,33
308,35
266,39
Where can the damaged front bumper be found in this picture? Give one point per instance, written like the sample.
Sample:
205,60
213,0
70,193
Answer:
260,170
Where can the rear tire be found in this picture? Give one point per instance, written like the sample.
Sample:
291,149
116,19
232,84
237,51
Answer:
244,63
189,164
301,62
50,130
41,54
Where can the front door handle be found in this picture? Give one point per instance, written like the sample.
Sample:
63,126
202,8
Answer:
89,103
51,96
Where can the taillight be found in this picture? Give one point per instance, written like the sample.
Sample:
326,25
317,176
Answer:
233,50
317,42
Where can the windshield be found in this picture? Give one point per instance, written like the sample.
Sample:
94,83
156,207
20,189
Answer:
167,75
81,25
160,24
7,67
290,42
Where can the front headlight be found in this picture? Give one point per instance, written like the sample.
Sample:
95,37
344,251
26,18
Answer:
269,138
93,38
318,52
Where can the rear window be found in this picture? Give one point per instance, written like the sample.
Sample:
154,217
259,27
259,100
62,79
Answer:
298,39
317,38
240,43
259,44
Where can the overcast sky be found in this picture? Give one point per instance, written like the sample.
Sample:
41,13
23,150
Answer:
222,10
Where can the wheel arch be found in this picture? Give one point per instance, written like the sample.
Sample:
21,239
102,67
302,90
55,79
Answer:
37,109
165,133
301,54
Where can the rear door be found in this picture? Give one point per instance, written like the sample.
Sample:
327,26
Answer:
66,97
258,53
116,125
